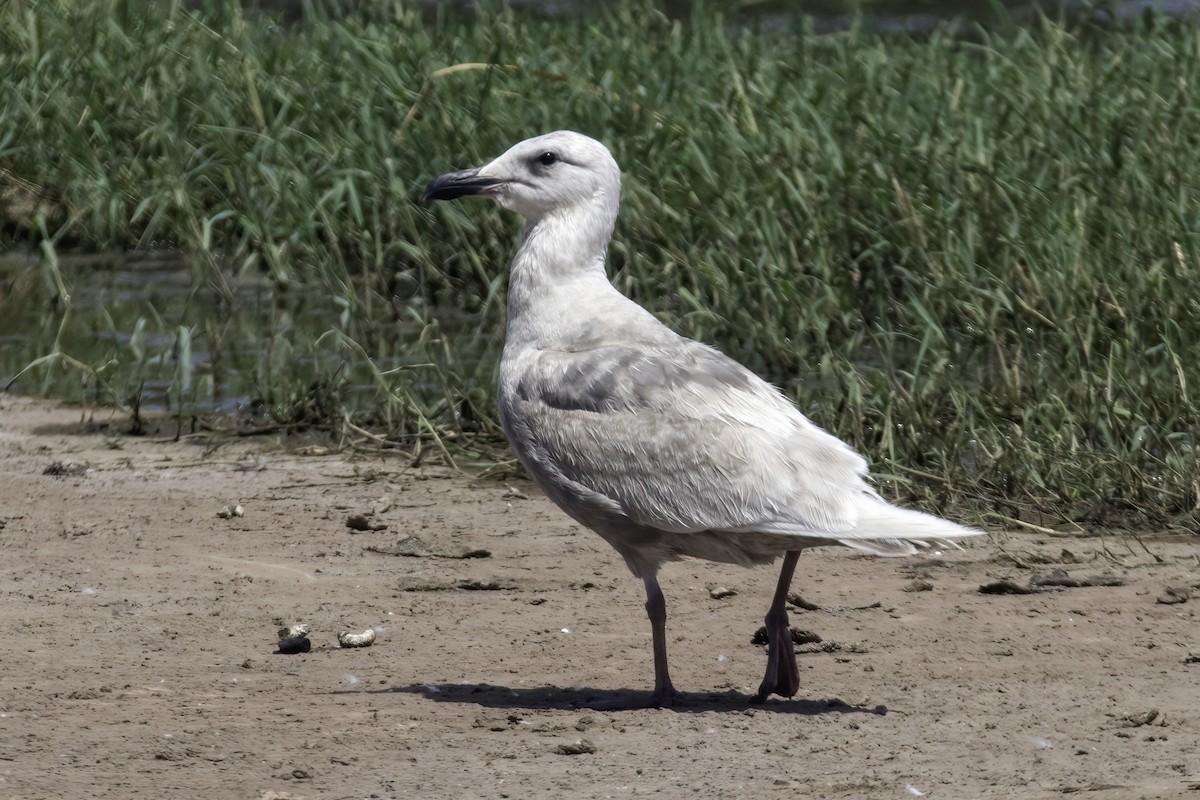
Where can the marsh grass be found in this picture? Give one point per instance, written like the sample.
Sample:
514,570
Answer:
976,258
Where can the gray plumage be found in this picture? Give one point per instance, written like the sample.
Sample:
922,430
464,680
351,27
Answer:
662,445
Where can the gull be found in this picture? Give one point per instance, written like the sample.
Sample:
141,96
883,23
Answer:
663,446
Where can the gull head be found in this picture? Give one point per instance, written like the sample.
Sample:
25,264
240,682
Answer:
560,172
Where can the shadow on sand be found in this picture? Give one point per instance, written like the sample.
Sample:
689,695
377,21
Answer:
553,698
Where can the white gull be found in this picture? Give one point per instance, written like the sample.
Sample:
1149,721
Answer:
662,445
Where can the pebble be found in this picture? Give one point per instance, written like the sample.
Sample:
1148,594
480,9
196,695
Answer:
1174,594
299,644
364,639
576,748
294,639
360,522
228,512
295,632
1143,718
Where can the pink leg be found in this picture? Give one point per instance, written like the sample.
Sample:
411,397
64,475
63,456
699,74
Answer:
782,676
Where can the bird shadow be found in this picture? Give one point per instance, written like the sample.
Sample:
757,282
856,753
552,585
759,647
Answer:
587,699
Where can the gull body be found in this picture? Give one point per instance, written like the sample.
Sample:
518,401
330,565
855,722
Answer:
662,445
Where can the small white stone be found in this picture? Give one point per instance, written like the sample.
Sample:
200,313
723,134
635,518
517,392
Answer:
364,639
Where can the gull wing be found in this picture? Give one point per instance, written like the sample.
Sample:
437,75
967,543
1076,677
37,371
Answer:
681,438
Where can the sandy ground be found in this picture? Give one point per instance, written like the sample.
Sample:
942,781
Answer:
138,636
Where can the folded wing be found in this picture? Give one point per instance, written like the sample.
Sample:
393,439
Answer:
684,439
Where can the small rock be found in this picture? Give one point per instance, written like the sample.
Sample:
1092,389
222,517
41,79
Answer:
289,647
473,552
1173,595
576,748
360,522
294,632
1142,718
919,585
721,592
364,639
229,512
492,723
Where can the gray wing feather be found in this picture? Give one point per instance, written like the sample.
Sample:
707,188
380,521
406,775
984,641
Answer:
680,438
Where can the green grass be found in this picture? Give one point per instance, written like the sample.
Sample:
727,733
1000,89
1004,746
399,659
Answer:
975,258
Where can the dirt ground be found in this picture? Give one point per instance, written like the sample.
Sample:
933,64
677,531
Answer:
137,644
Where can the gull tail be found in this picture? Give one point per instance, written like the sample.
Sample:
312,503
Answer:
887,530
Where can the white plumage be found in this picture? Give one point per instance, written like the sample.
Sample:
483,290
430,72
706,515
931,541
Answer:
662,445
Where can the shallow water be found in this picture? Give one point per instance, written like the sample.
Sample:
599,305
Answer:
136,320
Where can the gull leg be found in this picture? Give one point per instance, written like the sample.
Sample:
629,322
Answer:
664,693
656,610
782,676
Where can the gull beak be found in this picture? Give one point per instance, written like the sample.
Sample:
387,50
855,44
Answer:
462,183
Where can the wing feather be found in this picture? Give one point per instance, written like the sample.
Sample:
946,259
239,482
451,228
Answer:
680,438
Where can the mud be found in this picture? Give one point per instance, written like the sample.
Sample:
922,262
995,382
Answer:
138,644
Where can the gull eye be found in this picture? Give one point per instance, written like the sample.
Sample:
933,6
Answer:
547,159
